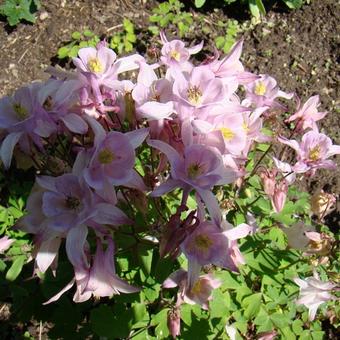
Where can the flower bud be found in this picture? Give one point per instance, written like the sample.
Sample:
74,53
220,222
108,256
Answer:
279,196
268,182
174,322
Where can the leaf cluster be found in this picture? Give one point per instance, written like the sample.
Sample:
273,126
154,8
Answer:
18,10
170,13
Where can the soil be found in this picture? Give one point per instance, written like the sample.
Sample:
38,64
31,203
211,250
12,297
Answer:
299,48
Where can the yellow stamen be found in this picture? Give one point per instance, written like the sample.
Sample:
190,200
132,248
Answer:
260,88
194,170
194,95
106,156
227,133
314,153
72,202
94,65
203,242
197,287
20,111
175,55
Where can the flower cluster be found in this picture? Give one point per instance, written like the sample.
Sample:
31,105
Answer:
81,130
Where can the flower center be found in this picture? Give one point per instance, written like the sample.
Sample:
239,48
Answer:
72,202
20,111
197,287
203,242
175,55
314,153
260,88
227,133
48,103
194,95
106,156
94,65
194,170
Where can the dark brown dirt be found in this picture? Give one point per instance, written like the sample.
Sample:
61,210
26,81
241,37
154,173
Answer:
299,48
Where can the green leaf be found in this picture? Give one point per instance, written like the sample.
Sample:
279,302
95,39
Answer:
252,305
102,321
279,320
76,35
219,306
88,33
16,267
293,4
297,326
199,3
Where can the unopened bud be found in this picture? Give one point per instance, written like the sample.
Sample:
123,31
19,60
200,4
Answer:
174,322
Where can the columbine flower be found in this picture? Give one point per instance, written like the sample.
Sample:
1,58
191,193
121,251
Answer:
313,293
312,152
319,243
198,89
153,96
23,118
308,114
322,203
174,52
113,158
200,167
296,235
263,92
200,292
102,63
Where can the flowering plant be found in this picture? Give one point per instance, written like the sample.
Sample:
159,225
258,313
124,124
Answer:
160,173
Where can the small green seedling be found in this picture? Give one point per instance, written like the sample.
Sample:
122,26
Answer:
17,10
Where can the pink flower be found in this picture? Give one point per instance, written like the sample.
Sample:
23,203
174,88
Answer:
200,292
113,158
313,293
24,119
5,243
308,114
312,152
200,167
174,52
198,89
153,96
103,280
263,92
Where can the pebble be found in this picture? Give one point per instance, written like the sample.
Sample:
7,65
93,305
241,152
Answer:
43,15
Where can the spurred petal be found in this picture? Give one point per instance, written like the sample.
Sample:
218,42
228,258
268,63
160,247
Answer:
168,150
7,147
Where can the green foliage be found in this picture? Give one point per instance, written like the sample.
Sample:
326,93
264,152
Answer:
228,40
170,13
124,41
78,40
18,10
256,7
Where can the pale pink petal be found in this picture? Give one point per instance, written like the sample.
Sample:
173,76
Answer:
109,214
137,137
5,243
48,251
75,123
